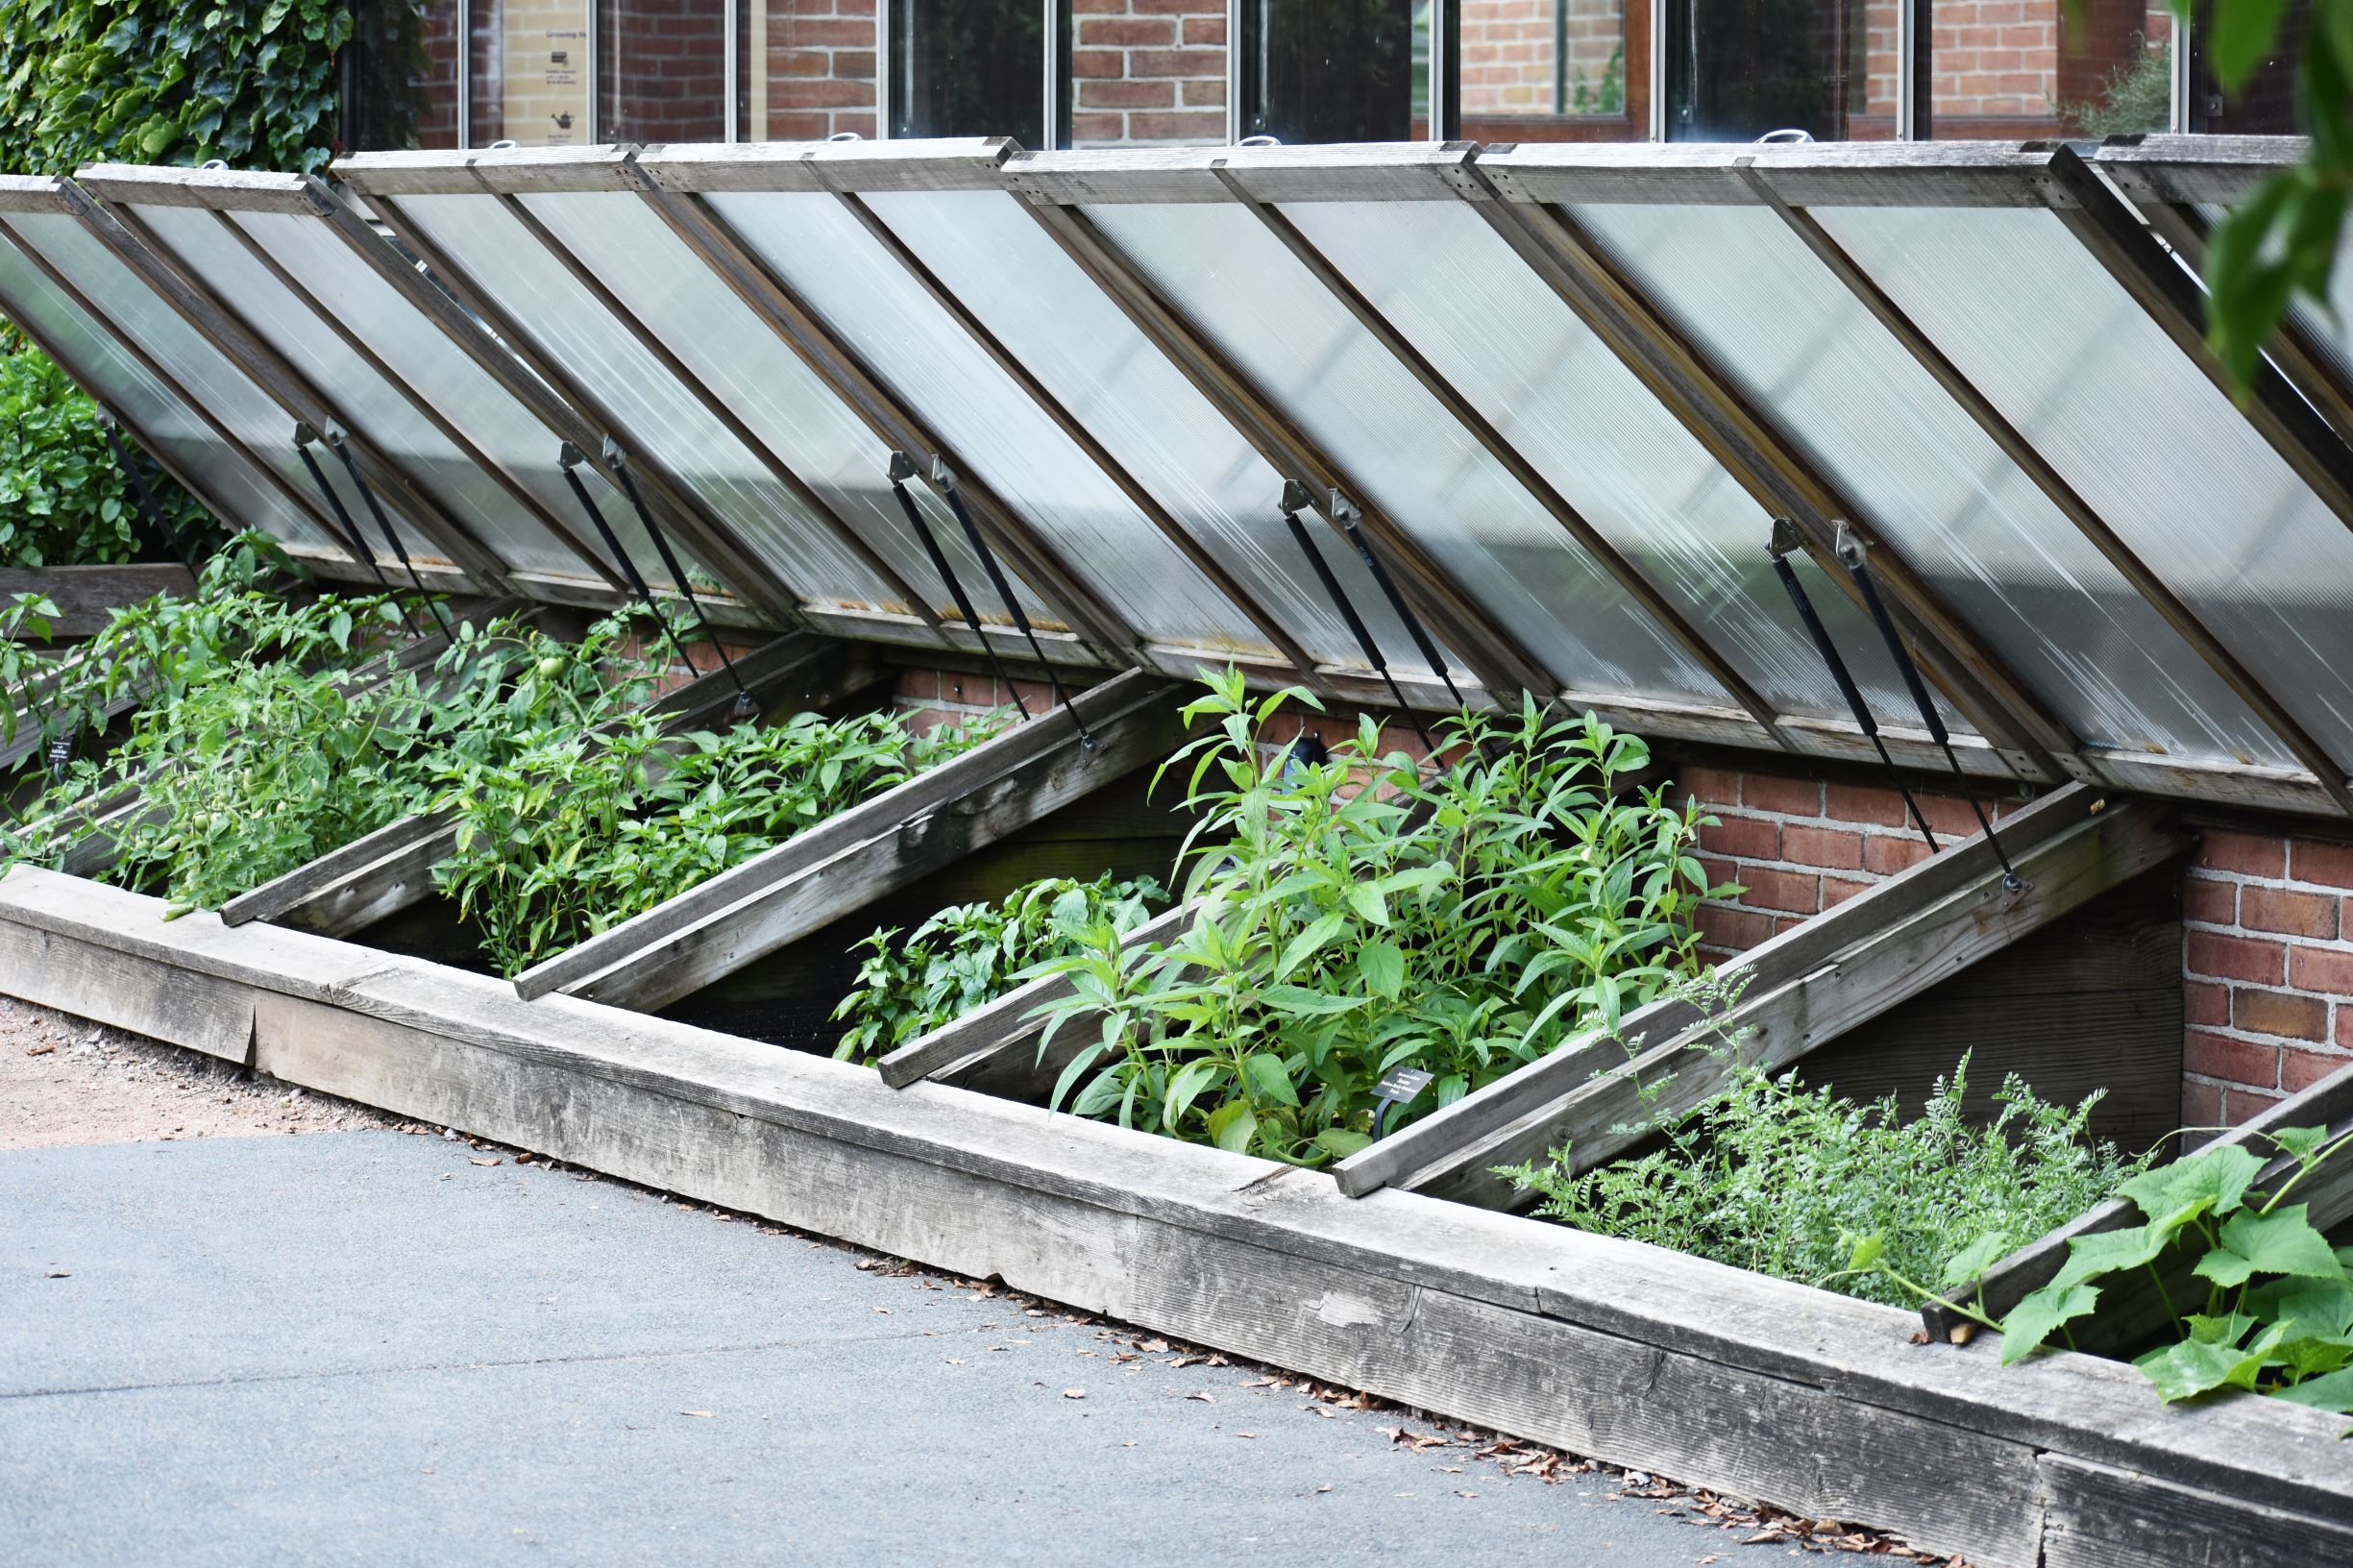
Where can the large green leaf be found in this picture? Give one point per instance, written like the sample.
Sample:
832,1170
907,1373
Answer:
2042,1314
2280,1243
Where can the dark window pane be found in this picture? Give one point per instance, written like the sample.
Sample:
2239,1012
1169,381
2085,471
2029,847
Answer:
1737,69
661,70
399,76
529,73
1335,70
2004,70
968,68
2264,103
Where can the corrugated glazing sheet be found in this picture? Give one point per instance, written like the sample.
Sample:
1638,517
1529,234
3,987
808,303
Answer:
1967,519
823,255
1502,340
367,402
1035,301
661,418
749,370
140,315
2138,429
1268,314
238,493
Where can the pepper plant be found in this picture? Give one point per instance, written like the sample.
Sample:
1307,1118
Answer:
967,955
574,833
1360,912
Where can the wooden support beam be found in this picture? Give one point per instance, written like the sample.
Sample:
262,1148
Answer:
877,846
1632,1355
1204,559
1503,667
1525,474
781,309
1003,1031
86,597
812,506
1803,988
2029,458
385,871
1768,463
304,401
2132,1307
540,381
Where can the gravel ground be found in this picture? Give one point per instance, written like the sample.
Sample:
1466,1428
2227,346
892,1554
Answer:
66,1082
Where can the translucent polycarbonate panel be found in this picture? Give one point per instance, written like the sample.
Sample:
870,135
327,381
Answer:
368,406
1502,338
659,416
152,412
779,398
820,250
1268,314
2138,431
145,317
1034,298
452,383
1966,519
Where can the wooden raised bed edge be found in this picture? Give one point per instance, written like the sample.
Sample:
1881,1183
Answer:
1624,1352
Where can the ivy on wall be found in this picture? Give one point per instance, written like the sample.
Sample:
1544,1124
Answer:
250,81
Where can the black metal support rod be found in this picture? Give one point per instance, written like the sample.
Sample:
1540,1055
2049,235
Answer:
1294,497
1346,515
618,462
1778,550
142,496
350,466
569,458
944,479
902,469
352,539
1851,556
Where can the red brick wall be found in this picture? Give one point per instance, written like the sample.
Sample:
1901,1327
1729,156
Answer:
2009,66
820,71
1800,847
2267,971
661,70
1147,71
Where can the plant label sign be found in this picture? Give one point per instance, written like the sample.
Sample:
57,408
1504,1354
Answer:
1402,1084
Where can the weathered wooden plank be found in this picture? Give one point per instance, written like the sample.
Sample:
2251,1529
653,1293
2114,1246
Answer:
1004,1027
1639,1356
145,995
2097,1516
1770,965
2327,1103
1783,1024
381,873
875,846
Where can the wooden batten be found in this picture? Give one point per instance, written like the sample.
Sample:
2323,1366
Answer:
1803,988
1614,1349
881,844
381,873
2132,1306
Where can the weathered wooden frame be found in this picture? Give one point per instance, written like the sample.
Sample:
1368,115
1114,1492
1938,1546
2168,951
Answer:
875,847
1617,1350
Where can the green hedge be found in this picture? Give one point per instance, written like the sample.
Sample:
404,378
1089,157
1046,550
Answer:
253,82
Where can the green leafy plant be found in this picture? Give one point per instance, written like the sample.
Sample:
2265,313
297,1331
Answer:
1774,1177
2277,1313
61,498
575,833
2133,98
967,955
1355,915
262,762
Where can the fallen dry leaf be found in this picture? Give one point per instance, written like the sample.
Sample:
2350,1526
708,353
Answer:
1203,1398
61,1274
884,1311
1245,1434
1074,1393
1258,1383
955,1360
39,1050
1153,1347
704,1414
482,1161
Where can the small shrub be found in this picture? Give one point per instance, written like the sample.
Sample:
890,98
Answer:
1357,914
1783,1180
967,955
572,834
